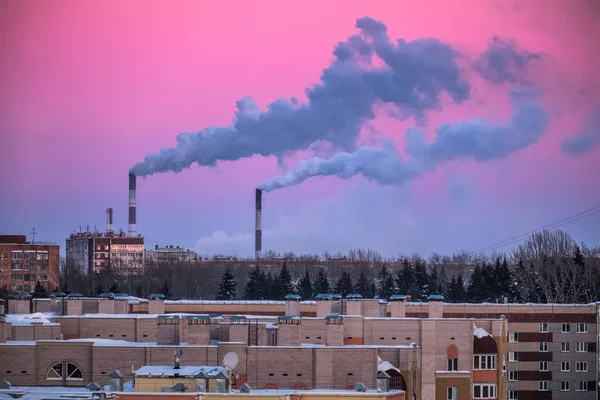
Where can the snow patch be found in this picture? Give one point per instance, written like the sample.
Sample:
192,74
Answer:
481,333
383,366
28,319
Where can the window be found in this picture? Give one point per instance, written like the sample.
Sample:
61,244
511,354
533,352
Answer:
484,391
544,346
452,393
582,347
582,386
564,347
565,366
513,337
565,386
582,328
453,364
64,371
513,356
543,327
565,328
513,376
481,361
513,395
581,366
543,365
543,386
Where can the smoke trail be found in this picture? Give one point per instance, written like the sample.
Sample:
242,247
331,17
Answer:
413,76
475,139
504,62
587,139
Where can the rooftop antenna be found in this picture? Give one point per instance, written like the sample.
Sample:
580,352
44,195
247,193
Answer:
33,233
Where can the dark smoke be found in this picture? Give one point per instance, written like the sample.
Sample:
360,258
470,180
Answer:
504,62
412,78
475,139
587,139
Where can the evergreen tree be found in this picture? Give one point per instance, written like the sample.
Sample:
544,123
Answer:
321,282
363,287
39,292
405,278
284,282
434,283
385,284
272,291
477,286
254,288
504,280
139,292
443,282
519,287
421,289
344,285
99,289
305,287
114,288
227,286
166,289
456,290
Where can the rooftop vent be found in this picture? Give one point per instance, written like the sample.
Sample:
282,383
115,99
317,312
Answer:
360,387
4,384
245,388
179,387
93,387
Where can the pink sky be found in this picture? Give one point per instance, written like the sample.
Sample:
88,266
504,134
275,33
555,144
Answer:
88,88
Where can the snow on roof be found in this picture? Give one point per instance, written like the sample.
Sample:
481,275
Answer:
28,319
184,370
481,333
516,304
235,302
385,365
336,392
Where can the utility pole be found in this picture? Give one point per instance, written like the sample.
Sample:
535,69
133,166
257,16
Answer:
33,236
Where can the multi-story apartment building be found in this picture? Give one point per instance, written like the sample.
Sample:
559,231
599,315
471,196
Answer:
170,254
23,264
93,252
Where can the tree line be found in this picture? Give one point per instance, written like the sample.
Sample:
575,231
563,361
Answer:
549,267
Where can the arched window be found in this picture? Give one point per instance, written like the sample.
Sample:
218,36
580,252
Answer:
64,370
452,358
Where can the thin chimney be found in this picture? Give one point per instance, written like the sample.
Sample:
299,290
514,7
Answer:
132,206
109,220
258,233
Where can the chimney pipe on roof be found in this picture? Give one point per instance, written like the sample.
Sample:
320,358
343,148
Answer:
132,206
109,220
258,233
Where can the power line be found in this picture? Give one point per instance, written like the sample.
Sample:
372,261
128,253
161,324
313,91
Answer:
555,225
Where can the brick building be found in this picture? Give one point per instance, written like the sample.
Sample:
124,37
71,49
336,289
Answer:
22,264
435,350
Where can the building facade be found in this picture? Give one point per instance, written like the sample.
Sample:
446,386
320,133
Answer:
93,252
170,254
23,264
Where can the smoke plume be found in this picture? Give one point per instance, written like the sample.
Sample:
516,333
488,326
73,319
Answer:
504,62
412,78
475,139
587,139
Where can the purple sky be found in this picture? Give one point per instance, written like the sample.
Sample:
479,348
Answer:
88,89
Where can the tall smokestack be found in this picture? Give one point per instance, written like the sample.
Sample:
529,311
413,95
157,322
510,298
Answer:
258,234
109,220
132,204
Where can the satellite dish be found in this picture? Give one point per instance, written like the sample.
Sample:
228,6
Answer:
230,361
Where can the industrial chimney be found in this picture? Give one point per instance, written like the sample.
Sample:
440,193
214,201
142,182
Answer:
132,205
258,234
109,220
